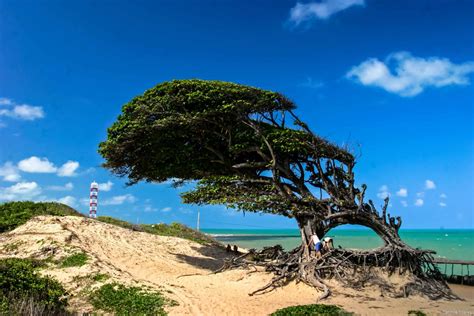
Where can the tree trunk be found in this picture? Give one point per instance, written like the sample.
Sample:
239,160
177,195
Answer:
387,231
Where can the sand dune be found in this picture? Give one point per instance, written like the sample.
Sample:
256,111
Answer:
182,270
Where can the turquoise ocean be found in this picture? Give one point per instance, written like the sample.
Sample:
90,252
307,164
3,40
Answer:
455,244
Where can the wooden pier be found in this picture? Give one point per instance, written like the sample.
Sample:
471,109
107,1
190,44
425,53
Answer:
462,278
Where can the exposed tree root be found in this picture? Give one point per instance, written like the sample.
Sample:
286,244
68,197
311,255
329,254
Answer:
352,268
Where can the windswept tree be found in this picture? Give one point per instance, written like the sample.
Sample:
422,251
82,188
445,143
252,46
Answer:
246,149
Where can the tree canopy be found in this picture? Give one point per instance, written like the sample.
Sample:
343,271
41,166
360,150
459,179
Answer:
244,145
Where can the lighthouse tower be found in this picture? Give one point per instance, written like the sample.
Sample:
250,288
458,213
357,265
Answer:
93,199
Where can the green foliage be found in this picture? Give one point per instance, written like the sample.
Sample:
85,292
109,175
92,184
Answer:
99,277
20,282
74,260
14,214
174,229
165,132
416,313
226,136
311,310
122,300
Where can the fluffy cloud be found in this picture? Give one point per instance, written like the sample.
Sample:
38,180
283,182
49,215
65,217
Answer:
166,209
67,187
403,192
419,202
442,204
68,200
383,192
9,172
36,165
119,200
20,111
6,101
430,185
443,196
305,12
20,191
410,75
43,165
106,186
404,203
68,169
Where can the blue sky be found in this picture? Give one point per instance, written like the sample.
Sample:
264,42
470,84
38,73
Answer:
391,78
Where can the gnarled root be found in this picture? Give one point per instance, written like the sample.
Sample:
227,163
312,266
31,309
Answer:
350,267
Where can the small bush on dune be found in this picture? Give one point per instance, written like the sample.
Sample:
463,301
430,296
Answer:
123,300
75,260
14,214
311,310
174,230
24,292
416,313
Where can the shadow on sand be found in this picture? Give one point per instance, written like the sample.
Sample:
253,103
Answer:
213,257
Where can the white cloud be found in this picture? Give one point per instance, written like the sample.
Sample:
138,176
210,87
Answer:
442,204
430,185
67,187
85,201
36,165
119,200
404,203
443,196
149,208
68,200
68,169
106,186
20,111
411,75
20,191
305,12
9,172
166,209
420,194
383,192
419,202
6,101
403,192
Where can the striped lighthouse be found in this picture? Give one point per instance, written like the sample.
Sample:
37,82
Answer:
93,199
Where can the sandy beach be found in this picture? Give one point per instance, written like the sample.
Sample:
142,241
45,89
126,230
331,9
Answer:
182,270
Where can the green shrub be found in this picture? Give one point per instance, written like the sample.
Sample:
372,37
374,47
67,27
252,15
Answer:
311,310
122,300
416,313
99,277
21,287
174,230
74,260
14,214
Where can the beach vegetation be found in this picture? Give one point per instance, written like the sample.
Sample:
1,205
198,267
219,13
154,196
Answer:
75,260
128,300
173,229
312,310
14,214
23,291
416,313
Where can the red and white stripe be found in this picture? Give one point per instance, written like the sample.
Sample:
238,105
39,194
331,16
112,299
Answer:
94,192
